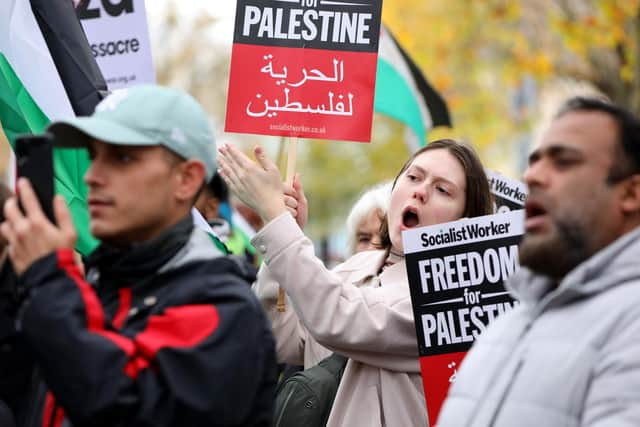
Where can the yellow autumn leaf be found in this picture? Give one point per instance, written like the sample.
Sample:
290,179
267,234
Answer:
626,73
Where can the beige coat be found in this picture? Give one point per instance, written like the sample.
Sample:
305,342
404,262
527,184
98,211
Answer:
349,310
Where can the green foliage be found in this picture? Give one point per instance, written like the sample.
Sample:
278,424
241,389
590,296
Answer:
334,174
477,53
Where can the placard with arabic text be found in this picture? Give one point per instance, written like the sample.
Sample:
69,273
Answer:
304,68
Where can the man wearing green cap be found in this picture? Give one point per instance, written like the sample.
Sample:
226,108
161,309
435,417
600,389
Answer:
164,330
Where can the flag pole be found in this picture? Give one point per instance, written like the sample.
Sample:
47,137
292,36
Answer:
292,155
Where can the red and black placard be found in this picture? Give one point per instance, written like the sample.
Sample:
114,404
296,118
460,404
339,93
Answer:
304,68
456,275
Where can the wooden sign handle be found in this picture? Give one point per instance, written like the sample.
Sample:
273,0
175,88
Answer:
292,155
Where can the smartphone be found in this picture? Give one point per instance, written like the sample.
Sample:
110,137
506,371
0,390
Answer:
34,160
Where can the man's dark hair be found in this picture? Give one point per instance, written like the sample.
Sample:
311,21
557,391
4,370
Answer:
218,188
627,158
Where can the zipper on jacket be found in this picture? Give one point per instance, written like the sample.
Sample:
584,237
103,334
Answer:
496,411
34,406
506,392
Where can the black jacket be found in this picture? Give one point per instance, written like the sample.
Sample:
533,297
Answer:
164,334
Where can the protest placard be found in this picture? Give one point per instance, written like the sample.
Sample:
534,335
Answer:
509,194
304,68
456,275
119,38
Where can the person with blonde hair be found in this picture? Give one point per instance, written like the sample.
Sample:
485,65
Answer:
365,218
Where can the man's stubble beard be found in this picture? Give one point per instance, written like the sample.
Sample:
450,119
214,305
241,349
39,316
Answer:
555,255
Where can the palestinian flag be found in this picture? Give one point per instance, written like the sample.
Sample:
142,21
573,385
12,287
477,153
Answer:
48,72
402,91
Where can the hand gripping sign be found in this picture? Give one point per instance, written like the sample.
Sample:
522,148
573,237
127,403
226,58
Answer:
456,275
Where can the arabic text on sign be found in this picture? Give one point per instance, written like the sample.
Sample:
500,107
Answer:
311,75
336,107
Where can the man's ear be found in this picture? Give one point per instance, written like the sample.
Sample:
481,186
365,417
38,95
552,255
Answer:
630,203
191,176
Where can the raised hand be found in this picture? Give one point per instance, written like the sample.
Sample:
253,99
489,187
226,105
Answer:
296,201
257,184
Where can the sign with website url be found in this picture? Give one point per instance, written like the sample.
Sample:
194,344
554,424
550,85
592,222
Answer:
119,38
304,68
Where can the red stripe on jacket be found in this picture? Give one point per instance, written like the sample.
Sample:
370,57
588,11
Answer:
123,308
178,327
184,326
51,410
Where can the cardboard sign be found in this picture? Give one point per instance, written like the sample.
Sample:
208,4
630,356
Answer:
509,194
456,273
119,37
304,68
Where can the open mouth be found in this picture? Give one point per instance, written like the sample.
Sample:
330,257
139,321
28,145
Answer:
534,209
410,218
536,217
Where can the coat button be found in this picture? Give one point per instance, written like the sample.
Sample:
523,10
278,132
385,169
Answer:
263,249
133,311
93,276
149,301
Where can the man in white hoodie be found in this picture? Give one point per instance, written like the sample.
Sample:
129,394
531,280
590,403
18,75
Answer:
569,355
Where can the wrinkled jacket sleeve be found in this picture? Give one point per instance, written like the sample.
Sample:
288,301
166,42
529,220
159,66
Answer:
364,323
190,366
289,332
613,398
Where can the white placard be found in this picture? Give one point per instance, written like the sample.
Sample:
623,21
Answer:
507,189
471,230
119,37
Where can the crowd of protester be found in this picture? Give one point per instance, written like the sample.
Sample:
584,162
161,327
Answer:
163,326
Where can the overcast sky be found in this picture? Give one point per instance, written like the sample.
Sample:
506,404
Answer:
224,10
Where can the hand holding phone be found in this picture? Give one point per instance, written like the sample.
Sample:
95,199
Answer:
34,159
30,236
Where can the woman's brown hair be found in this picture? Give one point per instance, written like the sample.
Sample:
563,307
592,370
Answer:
478,198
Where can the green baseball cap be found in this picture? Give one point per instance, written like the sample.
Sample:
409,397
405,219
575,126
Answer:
145,115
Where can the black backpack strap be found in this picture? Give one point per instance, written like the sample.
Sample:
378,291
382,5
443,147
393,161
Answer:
335,364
